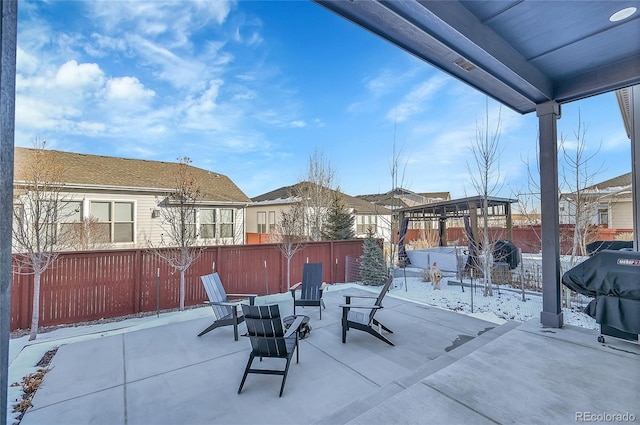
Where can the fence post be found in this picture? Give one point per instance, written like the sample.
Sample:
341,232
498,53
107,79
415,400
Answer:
137,278
26,283
333,271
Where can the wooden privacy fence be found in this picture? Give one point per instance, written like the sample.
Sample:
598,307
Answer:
527,238
92,285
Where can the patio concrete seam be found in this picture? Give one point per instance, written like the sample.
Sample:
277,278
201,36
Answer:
552,334
345,365
460,403
168,371
124,385
77,397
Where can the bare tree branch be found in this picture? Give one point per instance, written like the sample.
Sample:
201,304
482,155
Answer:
485,177
178,244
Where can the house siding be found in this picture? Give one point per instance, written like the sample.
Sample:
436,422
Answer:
90,178
621,215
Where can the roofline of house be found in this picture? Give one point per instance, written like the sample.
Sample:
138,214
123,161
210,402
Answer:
137,189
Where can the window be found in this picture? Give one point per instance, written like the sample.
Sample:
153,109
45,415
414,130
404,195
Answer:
603,217
70,219
207,223
189,223
272,221
262,222
115,220
226,223
365,222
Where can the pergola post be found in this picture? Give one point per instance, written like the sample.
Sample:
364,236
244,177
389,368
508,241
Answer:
442,230
509,220
634,125
473,219
8,31
548,114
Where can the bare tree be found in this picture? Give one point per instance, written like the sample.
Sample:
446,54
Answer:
397,181
89,233
39,210
578,174
289,235
316,193
178,244
485,177
528,197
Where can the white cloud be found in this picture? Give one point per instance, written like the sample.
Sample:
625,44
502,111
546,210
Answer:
127,88
26,62
297,124
72,75
171,22
416,100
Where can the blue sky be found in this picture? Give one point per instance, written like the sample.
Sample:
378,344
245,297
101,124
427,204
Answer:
250,89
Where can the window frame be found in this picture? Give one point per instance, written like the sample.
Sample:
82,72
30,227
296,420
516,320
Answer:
113,221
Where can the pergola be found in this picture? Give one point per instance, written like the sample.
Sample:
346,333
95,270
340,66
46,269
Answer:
457,209
531,56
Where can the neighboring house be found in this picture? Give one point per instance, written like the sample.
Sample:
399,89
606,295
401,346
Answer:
403,198
608,203
123,198
266,211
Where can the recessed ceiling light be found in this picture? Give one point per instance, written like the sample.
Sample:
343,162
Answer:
623,14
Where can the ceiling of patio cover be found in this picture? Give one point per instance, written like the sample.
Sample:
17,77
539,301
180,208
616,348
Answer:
520,52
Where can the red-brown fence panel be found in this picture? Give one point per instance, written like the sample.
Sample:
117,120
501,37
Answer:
83,286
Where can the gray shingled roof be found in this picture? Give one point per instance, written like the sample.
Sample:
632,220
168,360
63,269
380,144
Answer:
286,195
96,170
620,181
403,198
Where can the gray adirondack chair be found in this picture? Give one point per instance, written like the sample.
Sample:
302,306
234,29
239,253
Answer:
268,338
225,311
361,316
311,291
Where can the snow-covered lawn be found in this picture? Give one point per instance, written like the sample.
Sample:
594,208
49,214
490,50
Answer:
505,304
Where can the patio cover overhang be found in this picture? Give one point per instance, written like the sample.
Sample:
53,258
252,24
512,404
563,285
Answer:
530,56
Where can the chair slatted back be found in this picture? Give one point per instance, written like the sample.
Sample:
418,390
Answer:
216,293
265,330
311,281
383,292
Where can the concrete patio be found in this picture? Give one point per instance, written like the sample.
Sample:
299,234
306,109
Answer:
446,368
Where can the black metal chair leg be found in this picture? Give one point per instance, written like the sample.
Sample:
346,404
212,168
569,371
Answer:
246,372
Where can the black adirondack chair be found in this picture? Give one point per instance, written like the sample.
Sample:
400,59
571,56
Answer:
311,291
268,338
225,311
361,316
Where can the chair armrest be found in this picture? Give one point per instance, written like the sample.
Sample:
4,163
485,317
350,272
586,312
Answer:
360,296
369,307
251,297
294,326
293,288
225,303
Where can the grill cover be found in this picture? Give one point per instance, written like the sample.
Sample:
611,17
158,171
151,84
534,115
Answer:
612,278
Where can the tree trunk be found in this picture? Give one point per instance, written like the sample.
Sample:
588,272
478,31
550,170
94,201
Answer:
288,273
35,316
486,248
182,285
